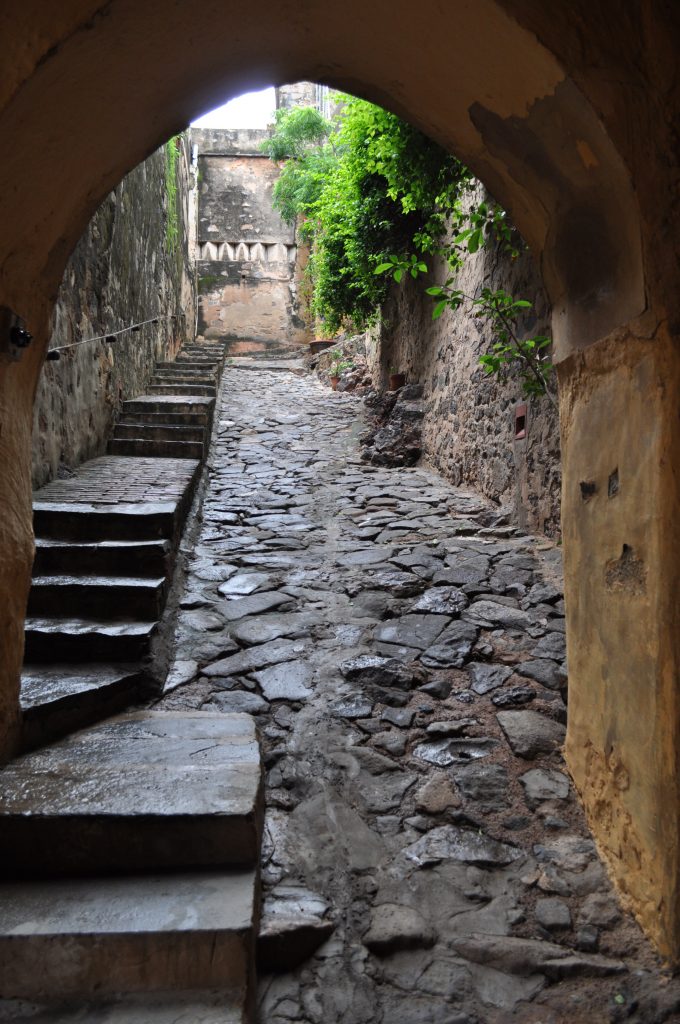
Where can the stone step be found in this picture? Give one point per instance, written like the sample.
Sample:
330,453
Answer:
196,405
135,446
58,699
132,427
143,791
187,367
97,596
176,377
82,938
106,558
213,1007
159,388
173,418
79,521
48,640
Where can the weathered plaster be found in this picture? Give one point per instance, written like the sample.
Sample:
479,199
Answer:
619,417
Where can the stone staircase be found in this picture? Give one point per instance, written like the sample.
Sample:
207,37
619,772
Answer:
130,887
105,544
130,848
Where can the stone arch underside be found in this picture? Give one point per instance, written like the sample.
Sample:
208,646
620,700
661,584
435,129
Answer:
95,87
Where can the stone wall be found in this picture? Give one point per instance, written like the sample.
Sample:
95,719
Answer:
469,426
131,265
246,255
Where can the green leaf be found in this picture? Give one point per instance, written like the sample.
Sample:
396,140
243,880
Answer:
475,240
382,267
398,274
439,309
436,289
522,304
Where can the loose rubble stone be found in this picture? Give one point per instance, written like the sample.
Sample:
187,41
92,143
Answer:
492,613
530,733
244,583
441,601
453,646
528,956
236,701
256,657
356,706
452,727
449,842
436,795
395,927
514,696
401,717
484,678
287,681
546,672
544,784
599,909
450,751
553,914
369,669
295,922
416,631
485,784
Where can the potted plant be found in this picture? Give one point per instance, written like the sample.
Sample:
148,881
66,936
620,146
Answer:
337,366
397,379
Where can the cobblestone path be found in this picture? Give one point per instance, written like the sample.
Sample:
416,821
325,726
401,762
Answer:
403,652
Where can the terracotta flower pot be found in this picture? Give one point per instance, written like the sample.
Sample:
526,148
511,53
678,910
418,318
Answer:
397,380
334,383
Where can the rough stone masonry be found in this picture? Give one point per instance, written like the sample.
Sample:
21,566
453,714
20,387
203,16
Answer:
425,860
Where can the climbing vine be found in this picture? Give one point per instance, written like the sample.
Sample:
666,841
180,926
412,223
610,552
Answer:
172,220
376,198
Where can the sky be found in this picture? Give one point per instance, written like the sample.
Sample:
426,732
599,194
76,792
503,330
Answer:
252,110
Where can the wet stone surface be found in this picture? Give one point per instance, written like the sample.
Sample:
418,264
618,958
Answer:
425,858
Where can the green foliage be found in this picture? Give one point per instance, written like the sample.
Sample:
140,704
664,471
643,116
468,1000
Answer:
367,185
296,130
509,352
339,363
375,198
172,219
207,282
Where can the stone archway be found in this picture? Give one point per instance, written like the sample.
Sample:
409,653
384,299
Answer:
568,118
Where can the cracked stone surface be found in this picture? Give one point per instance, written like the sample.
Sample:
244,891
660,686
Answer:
424,848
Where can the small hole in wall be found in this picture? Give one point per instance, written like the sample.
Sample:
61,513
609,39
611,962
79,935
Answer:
520,422
588,488
613,485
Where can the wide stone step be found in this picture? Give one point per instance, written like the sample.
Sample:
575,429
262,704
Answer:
102,558
213,1007
79,521
97,596
48,640
187,367
159,388
144,791
184,368
57,699
196,405
173,418
131,428
84,937
136,446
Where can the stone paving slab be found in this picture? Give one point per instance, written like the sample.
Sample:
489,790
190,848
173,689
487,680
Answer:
411,707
